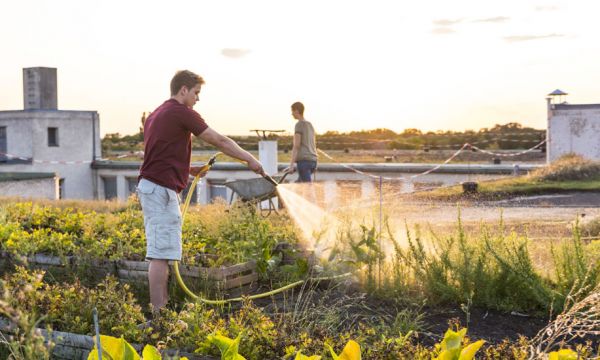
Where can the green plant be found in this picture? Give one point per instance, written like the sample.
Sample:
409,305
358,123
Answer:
451,347
119,349
563,354
25,342
350,352
227,346
69,307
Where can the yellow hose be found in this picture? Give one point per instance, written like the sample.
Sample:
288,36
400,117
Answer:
186,205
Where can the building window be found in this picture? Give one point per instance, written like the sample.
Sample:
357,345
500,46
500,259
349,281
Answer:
3,144
61,188
110,187
52,136
131,185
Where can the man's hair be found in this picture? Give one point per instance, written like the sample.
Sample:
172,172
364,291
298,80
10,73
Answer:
298,106
185,78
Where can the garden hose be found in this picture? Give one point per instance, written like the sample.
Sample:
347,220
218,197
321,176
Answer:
186,204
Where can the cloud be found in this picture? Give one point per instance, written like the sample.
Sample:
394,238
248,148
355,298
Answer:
519,38
447,22
234,53
496,19
442,31
546,8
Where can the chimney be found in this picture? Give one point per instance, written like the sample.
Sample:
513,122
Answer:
40,89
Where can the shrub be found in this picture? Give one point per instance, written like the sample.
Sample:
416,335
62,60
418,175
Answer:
568,167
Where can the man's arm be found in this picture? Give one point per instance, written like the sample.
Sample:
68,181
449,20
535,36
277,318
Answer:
231,148
295,148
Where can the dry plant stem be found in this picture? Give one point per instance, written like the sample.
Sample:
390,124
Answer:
578,321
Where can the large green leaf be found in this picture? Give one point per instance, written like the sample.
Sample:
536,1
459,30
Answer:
114,349
227,346
151,353
351,351
563,354
452,339
468,353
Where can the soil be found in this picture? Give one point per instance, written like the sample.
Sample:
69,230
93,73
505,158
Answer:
492,326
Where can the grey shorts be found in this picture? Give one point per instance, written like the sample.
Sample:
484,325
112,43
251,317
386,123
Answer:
162,220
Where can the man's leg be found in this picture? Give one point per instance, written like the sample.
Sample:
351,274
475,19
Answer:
304,171
158,278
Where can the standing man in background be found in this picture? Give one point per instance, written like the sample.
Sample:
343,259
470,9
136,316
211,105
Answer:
304,150
165,173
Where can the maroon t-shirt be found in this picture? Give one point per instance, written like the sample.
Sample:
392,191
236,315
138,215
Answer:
168,144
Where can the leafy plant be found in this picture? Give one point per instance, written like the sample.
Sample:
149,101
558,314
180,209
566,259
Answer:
350,352
227,346
119,349
451,347
563,354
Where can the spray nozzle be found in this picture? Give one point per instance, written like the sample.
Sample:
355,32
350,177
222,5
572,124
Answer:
271,180
210,163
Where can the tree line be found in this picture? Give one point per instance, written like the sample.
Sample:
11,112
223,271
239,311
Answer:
501,136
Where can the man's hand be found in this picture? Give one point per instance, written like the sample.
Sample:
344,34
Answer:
255,166
197,170
290,169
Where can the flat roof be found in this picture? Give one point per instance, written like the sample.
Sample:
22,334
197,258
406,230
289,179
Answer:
46,110
16,176
371,168
576,106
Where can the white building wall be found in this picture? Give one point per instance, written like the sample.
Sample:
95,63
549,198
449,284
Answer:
78,135
574,129
31,189
19,139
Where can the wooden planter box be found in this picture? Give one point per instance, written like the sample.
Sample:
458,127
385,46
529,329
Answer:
222,278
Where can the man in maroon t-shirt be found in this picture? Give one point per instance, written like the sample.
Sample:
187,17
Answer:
165,172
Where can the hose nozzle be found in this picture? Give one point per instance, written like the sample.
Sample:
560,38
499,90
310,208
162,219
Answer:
271,180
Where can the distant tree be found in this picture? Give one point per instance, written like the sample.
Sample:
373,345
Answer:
411,132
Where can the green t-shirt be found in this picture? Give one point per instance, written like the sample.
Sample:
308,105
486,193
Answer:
308,144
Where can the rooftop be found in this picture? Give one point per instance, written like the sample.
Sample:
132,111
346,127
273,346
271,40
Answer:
16,176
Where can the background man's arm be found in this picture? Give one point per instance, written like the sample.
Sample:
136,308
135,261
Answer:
295,148
231,148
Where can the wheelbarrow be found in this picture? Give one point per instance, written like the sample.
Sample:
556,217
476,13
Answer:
257,190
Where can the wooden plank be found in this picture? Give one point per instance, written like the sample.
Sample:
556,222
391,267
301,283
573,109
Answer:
132,265
238,268
239,281
44,259
132,274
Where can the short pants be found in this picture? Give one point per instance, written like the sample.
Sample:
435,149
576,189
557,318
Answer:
162,220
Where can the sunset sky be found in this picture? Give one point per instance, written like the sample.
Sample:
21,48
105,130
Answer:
431,65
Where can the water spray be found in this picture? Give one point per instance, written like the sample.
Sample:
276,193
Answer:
188,198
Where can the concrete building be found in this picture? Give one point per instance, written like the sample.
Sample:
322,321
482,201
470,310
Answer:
572,128
43,139
29,185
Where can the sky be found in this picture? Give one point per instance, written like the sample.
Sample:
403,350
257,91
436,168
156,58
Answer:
461,64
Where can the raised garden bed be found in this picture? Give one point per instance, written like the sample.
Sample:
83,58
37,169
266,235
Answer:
221,278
